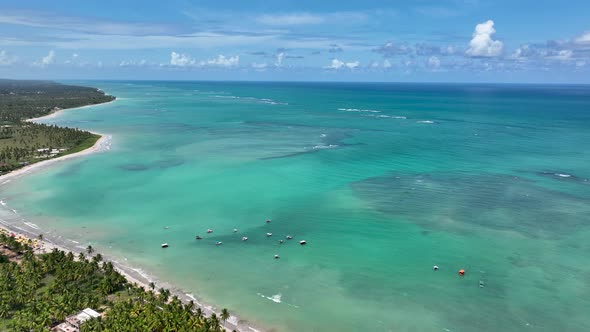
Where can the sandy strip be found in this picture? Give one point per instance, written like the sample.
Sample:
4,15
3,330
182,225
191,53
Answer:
132,275
102,144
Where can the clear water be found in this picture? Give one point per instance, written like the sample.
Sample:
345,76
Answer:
493,179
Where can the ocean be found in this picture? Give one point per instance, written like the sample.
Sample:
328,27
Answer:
383,181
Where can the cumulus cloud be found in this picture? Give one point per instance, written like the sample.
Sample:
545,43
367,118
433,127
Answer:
562,55
131,63
338,64
6,59
482,44
279,60
583,39
49,58
352,65
387,64
177,59
290,19
434,62
222,61
259,66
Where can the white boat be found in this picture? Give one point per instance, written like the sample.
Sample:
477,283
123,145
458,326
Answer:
218,243
209,230
289,237
164,245
277,257
302,242
268,234
244,238
235,230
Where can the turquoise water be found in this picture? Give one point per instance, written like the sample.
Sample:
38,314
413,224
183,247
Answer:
382,180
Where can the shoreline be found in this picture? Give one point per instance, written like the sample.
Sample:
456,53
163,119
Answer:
102,144
50,241
133,275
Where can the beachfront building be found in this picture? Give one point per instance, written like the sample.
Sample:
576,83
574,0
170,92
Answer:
73,322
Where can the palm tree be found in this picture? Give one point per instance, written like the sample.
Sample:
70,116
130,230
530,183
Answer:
89,249
152,285
40,237
224,314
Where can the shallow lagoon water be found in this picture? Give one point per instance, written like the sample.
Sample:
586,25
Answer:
382,180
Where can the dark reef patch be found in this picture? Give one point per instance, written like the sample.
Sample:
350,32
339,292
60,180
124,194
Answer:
454,201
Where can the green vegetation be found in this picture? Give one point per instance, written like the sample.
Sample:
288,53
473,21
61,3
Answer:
38,292
23,143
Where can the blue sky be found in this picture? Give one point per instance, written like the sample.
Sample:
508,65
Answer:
369,40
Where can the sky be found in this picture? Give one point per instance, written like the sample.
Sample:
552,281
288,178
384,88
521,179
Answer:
527,41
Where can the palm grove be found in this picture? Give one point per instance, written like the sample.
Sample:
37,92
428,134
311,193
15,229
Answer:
22,142
37,292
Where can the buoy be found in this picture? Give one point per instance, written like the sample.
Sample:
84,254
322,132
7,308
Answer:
277,257
435,268
268,234
280,241
164,245
302,242
461,272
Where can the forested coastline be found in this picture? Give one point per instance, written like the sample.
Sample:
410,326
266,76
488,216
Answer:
40,290
22,142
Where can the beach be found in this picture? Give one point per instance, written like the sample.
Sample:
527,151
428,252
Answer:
53,241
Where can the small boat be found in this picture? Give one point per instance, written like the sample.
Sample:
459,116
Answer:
235,230
268,234
280,241
164,245
277,257
218,243
268,221
198,237
288,237
244,238
302,242
209,230
166,227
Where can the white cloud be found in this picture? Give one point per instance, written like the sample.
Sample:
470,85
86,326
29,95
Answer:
75,55
280,57
387,64
583,39
178,59
563,55
46,60
259,66
6,59
434,62
49,58
337,64
132,63
352,65
482,44
290,19
222,61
